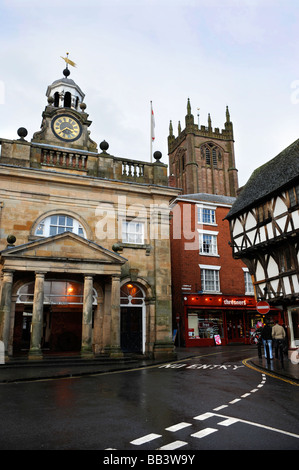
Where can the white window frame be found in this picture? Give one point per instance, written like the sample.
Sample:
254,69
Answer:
206,214
44,227
213,247
129,233
216,278
249,289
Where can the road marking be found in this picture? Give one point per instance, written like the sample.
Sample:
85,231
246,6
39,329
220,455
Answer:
204,432
203,416
235,401
228,421
251,423
221,407
245,395
173,445
177,427
144,439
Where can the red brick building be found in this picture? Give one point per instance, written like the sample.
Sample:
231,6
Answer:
213,296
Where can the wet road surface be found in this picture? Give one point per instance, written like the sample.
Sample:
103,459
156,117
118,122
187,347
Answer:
212,401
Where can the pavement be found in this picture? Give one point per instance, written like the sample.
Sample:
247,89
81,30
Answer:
22,369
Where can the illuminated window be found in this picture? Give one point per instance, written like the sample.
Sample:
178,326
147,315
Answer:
55,292
131,294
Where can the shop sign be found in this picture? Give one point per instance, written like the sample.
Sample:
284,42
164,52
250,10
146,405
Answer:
217,340
235,302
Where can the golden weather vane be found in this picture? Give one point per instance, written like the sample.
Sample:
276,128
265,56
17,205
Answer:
68,61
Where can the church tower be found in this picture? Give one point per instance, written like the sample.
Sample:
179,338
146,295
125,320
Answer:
202,159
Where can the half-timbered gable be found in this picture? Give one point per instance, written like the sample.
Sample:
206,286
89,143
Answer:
264,225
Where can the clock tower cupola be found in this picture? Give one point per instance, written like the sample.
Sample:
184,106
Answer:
65,121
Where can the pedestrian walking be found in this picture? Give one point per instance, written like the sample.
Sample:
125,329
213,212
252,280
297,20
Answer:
267,340
278,337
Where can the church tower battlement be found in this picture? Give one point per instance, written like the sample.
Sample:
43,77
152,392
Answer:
202,159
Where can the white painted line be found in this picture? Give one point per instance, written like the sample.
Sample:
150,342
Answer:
245,395
235,401
260,385
173,445
254,390
204,416
177,427
147,438
228,421
269,428
221,407
204,432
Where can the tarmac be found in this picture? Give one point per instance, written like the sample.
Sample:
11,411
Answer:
22,369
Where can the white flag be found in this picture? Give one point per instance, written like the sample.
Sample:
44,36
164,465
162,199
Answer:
152,124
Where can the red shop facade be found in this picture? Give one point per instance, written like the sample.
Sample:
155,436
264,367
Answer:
220,319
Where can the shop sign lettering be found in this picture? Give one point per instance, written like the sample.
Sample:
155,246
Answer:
234,302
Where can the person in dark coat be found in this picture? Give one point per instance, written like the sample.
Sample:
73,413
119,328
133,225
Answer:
267,340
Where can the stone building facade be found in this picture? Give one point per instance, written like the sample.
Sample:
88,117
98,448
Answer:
85,249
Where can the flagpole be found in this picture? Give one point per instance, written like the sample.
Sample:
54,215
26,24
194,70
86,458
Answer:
152,133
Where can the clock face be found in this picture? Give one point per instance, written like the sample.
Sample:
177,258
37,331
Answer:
66,127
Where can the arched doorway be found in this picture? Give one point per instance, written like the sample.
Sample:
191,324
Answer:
62,315
132,318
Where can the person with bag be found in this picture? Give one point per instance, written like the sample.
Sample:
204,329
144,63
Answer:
278,335
267,340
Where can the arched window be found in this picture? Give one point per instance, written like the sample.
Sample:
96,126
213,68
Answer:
211,153
56,99
131,294
67,100
55,292
59,223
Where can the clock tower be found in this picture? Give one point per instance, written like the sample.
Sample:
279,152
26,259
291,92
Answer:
65,122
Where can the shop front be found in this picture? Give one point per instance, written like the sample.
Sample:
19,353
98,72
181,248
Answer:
211,320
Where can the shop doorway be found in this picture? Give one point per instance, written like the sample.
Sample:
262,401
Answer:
132,319
235,327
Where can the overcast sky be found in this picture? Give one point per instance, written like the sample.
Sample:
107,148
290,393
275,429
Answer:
240,53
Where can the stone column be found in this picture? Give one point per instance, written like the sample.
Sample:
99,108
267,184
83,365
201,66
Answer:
86,345
115,318
5,306
37,316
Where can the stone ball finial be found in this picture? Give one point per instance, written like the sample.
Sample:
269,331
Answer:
157,155
22,132
104,146
50,100
11,239
83,106
66,72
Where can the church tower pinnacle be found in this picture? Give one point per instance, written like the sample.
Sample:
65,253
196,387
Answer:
202,159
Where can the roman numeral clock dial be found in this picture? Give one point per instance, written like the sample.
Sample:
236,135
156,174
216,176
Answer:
66,128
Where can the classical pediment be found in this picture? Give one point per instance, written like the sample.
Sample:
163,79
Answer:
66,247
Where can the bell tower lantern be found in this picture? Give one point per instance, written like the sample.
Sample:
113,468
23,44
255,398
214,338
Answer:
64,121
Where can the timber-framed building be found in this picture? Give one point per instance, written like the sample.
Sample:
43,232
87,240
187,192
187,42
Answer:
264,225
